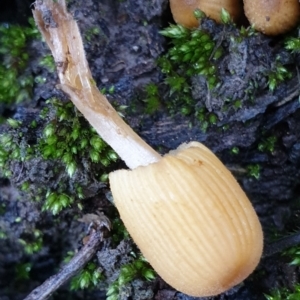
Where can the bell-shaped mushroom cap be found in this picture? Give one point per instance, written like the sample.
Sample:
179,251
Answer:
191,220
272,17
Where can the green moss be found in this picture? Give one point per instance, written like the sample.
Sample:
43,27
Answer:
91,33
48,62
235,150
244,32
293,254
22,271
87,278
267,144
277,74
119,231
32,242
254,170
285,294
12,148
152,98
56,202
68,137
3,235
293,43
15,86
139,268
2,208
68,145
192,53
195,71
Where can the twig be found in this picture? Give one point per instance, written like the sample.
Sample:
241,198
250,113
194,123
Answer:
45,290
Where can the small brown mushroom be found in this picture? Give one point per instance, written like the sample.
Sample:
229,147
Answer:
272,17
185,210
183,10
191,220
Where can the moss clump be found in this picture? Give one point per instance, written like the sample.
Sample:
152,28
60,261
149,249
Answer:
13,147
15,85
277,74
56,201
152,98
68,137
267,144
139,268
48,62
193,52
293,43
55,157
285,294
254,171
218,73
88,277
32,242
22,271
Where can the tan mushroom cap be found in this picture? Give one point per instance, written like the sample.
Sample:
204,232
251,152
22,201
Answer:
183,10
191,220
272,17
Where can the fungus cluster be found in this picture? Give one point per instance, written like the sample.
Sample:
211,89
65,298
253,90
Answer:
185,211
270,17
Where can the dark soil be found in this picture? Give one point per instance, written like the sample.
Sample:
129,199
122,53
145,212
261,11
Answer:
124,55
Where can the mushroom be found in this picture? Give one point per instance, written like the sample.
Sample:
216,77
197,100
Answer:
272,17
185,211
191,220
183,10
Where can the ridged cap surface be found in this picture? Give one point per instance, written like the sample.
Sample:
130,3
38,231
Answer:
191,220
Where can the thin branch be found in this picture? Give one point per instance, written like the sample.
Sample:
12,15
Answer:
45,290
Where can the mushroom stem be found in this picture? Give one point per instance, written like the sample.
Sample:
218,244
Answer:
62,35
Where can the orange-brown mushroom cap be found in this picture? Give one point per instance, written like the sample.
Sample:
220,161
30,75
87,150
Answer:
183,10
272,17
191,220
